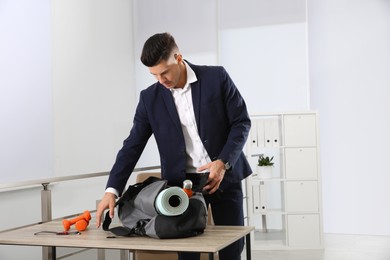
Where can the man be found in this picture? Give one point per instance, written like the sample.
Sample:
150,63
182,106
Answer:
200,123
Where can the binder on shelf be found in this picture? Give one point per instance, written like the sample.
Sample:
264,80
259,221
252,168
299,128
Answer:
256,197
259,197
271,132
263,197
260,133
253,139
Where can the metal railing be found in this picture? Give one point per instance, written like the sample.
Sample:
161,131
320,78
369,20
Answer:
47,181
46,202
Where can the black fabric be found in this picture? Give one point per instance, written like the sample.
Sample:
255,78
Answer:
142,222
186,225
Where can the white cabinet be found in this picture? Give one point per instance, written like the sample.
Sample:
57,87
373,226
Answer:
301,163
304,231
286,208
300,130
301,196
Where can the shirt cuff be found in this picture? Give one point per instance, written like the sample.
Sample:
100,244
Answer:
113,191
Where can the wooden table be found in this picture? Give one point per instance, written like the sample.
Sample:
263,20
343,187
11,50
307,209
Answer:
211,241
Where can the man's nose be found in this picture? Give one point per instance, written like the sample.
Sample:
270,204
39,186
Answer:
160,78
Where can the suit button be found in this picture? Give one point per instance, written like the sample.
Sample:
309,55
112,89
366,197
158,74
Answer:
205,141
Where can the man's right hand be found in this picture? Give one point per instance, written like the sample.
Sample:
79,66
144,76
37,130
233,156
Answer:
107,202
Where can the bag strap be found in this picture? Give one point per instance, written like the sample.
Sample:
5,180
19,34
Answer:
138,230
131,192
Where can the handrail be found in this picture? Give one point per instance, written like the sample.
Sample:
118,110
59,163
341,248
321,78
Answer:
33,183
46,203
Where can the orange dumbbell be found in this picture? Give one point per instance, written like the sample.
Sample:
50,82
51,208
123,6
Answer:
81,221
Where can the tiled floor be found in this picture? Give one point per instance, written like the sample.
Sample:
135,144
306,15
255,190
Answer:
337,247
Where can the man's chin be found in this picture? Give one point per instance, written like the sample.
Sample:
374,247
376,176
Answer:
168,86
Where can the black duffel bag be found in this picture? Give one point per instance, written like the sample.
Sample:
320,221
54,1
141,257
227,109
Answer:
139,217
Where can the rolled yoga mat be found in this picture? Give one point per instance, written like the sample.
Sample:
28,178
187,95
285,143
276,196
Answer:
172,201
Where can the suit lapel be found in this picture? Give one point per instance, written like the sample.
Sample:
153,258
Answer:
195,91
170,105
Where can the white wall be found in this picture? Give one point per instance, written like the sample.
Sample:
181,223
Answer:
26,134
67,98
268,64
350,86
263,45
67,86
93,83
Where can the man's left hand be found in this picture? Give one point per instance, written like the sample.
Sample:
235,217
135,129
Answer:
217,172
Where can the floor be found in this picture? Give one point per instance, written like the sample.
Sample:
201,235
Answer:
337,247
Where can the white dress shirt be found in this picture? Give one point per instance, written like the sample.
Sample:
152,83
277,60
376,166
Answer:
196,153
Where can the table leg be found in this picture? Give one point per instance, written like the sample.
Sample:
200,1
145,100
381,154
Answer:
248,247
264,221
124,254
46,212
53,253
101,254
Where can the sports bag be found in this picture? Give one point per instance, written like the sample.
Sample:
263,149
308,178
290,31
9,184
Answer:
139,216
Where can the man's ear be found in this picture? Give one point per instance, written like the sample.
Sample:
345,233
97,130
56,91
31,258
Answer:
178,57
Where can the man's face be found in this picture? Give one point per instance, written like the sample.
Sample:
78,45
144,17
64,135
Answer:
167,72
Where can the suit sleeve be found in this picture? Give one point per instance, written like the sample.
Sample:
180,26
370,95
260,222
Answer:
238,118
132,149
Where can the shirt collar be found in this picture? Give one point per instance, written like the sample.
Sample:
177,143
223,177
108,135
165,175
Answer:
191,78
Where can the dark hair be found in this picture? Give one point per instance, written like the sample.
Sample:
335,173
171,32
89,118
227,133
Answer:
157,48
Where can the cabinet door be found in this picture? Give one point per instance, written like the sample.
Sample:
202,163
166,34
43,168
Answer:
304,231
301,196
300,130
301,163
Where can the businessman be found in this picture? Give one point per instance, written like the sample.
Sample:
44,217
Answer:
200,123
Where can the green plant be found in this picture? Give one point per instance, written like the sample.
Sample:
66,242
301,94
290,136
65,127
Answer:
265,160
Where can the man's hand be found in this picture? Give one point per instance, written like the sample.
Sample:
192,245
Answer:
107,202
217,172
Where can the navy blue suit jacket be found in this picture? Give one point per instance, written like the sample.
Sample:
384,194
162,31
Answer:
222,120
